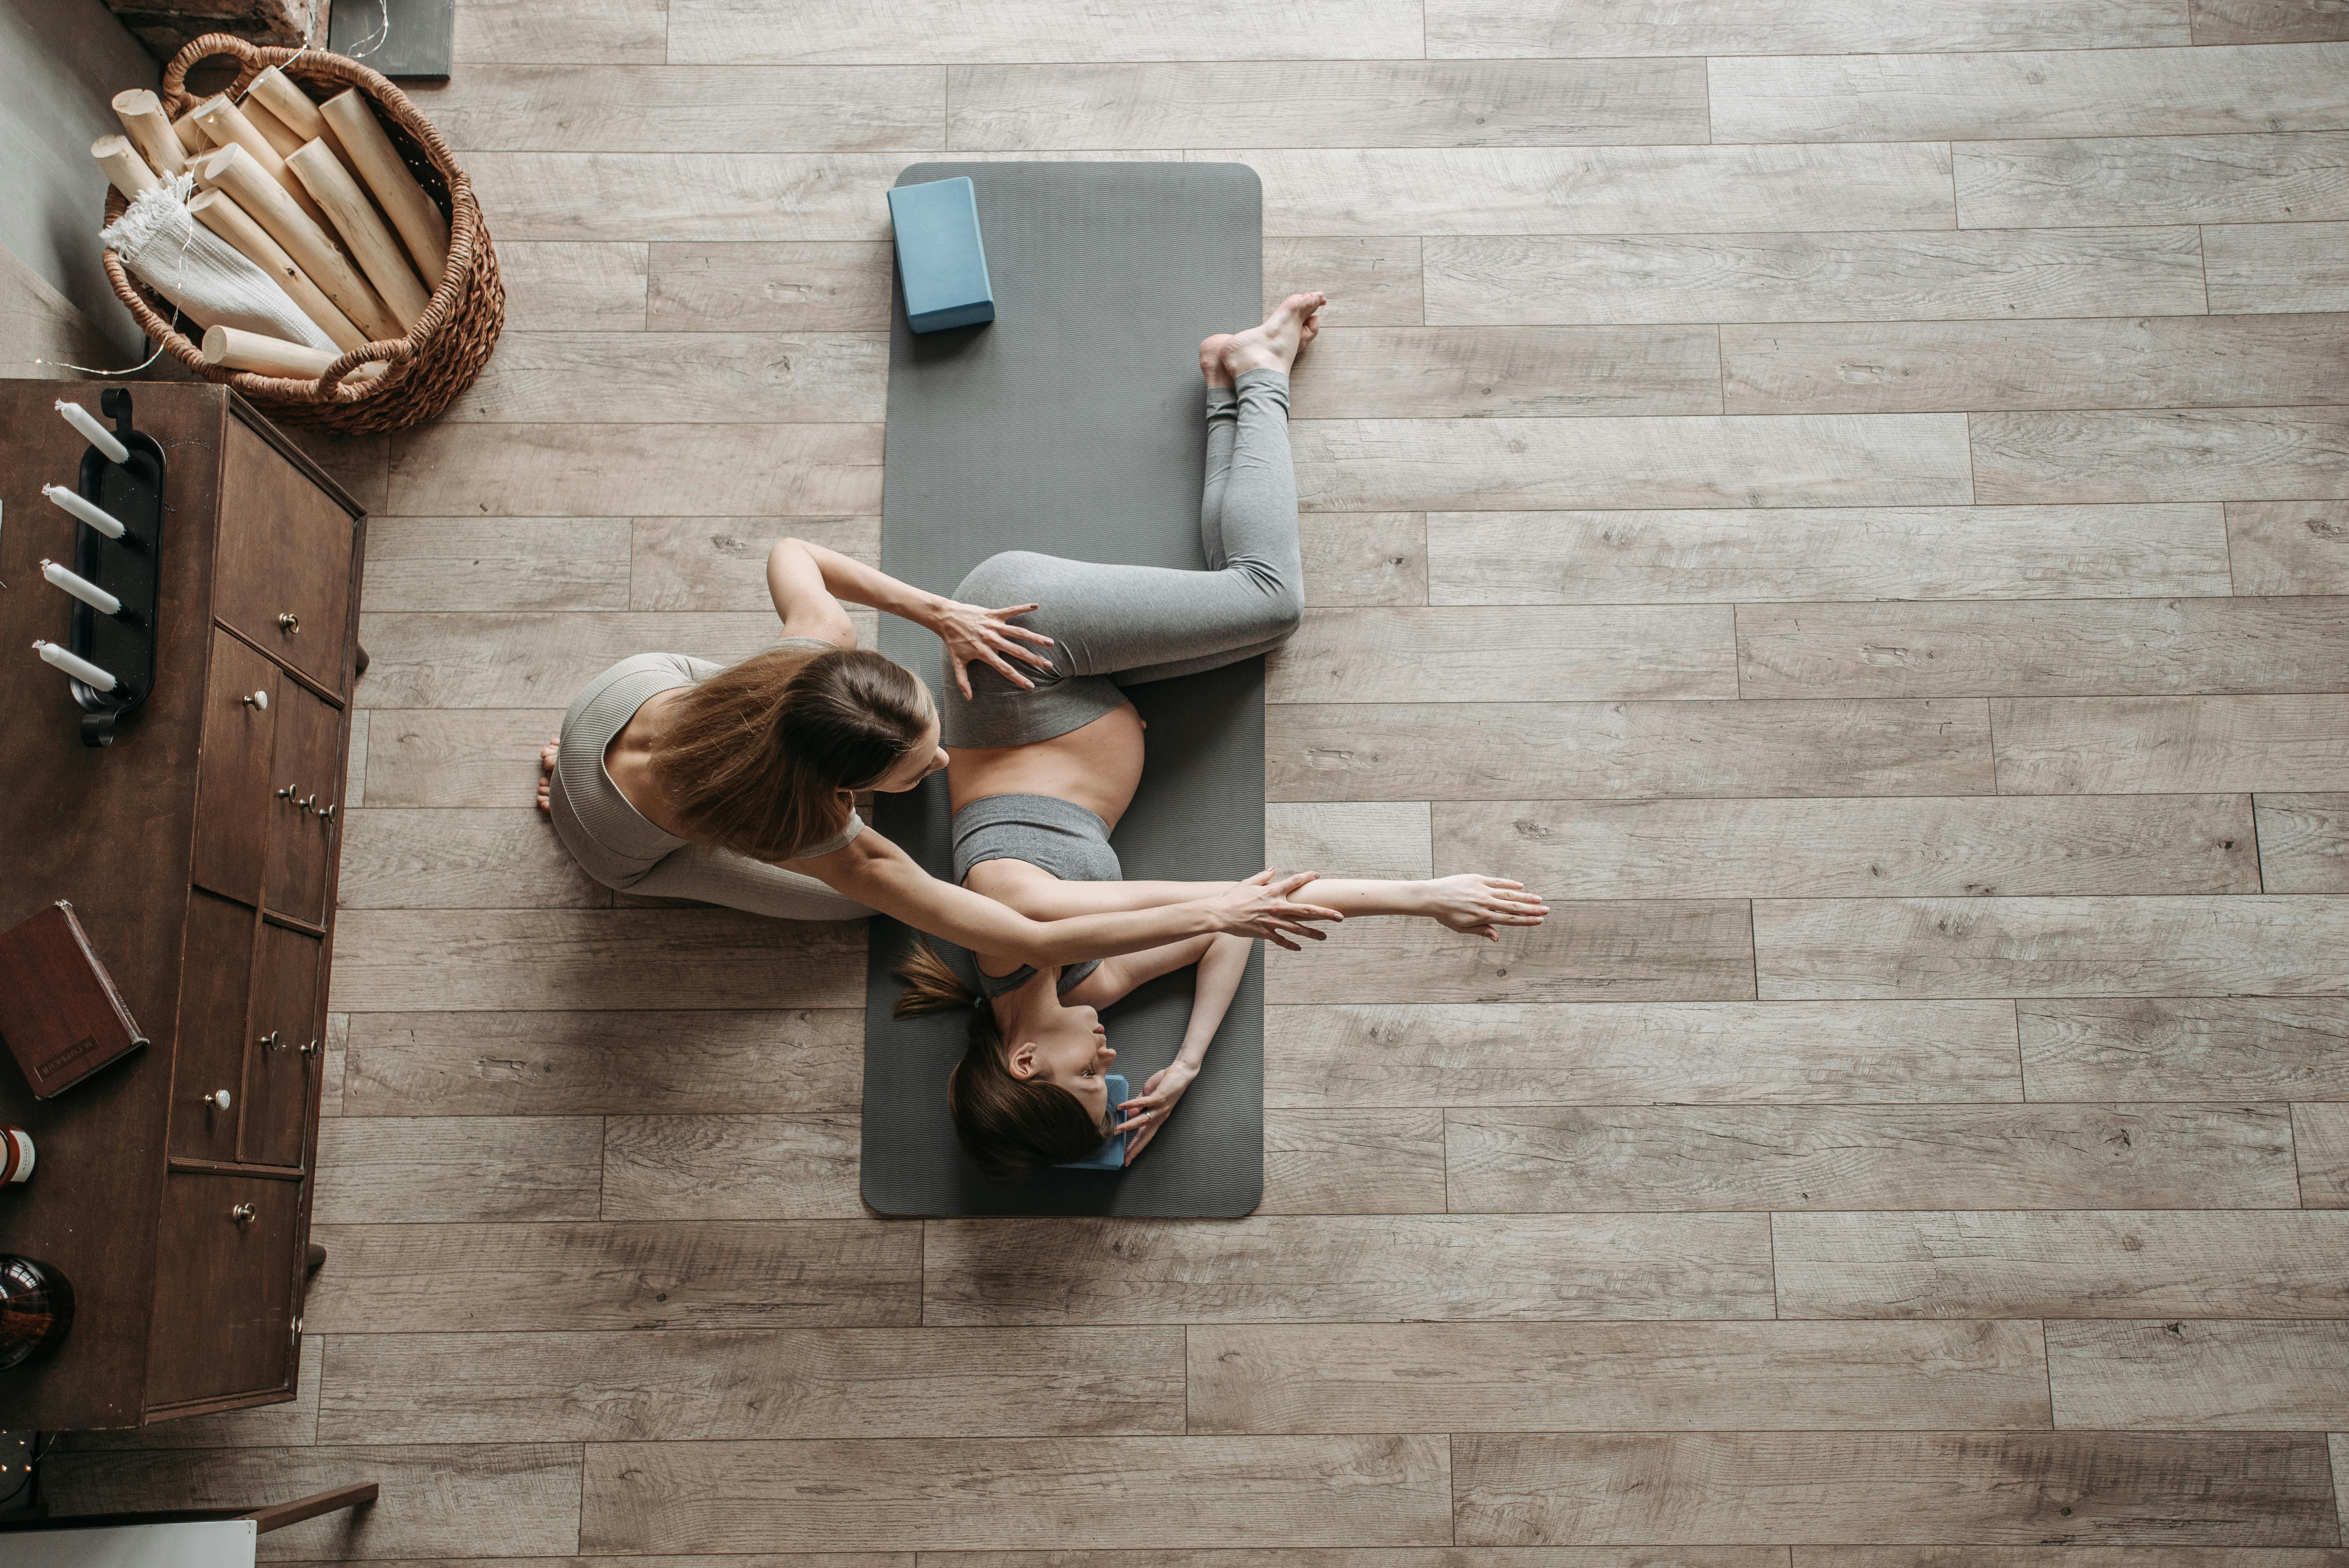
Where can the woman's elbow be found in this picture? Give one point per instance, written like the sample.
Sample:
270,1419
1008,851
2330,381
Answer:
781,553
1041,955
1035,944
1040,941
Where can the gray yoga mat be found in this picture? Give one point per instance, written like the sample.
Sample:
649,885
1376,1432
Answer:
1073,424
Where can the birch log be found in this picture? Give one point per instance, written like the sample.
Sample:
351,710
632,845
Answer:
149,130
364,235
283,97
216,211
233,170
273,131
125,170
421,228
264,356
228,126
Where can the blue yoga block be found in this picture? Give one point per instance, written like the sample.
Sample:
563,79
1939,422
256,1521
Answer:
1110,1156
940,257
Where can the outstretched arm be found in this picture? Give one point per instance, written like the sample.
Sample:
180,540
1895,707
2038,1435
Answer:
877,872
1477,905
807,583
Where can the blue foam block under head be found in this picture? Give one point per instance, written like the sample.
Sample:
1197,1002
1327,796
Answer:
1110,1156
940,259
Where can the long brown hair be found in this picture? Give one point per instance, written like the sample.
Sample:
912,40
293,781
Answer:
1008,1126
761,757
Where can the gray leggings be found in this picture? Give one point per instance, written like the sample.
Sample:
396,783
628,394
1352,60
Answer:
1116,626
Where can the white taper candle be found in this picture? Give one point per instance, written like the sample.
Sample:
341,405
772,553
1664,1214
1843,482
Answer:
96,434
82,588
74,664
89,512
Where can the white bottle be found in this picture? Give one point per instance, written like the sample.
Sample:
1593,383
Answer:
15,1154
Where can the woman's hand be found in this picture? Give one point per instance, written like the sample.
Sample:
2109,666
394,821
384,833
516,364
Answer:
1477,905
1147,1113
1260,906
971,632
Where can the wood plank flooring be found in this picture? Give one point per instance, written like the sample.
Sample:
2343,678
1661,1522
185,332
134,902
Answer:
1849,498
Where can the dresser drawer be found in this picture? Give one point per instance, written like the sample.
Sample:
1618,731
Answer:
268,787
235,809
225,1262
285,576
283,1042
305,804
215,992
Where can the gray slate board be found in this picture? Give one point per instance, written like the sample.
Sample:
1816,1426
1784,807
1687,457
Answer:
1073,424
398,37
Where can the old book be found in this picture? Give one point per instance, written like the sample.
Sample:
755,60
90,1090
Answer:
59,1013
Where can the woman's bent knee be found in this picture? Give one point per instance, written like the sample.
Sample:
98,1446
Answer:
1281,611
1288,611
1004,578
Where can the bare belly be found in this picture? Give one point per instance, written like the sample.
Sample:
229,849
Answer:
1096,765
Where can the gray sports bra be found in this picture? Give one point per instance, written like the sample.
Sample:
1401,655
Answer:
1045,831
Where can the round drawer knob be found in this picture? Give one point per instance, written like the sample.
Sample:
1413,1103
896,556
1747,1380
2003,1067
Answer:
286,793
289,623
258,700
241,1213
327,812
218,1099
270,1040
314,1047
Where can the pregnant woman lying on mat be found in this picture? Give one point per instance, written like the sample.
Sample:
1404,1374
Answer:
1040,772
677,777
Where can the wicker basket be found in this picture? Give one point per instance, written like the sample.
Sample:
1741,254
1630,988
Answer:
451,341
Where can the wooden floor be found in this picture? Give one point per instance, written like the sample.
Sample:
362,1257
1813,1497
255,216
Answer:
1850,498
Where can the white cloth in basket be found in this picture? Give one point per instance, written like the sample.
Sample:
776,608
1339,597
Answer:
202,273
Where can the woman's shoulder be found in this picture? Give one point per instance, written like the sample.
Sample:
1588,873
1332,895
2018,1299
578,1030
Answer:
648,672
657,670
840,840
612,696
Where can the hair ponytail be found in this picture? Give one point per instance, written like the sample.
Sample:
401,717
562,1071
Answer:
933,986
1008,1126
763,756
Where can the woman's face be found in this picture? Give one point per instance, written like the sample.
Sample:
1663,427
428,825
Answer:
1069,1047
921,759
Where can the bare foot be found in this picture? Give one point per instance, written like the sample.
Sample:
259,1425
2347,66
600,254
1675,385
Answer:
1293,324
1211,359
546,759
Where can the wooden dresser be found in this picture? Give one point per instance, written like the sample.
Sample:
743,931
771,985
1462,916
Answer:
199,850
